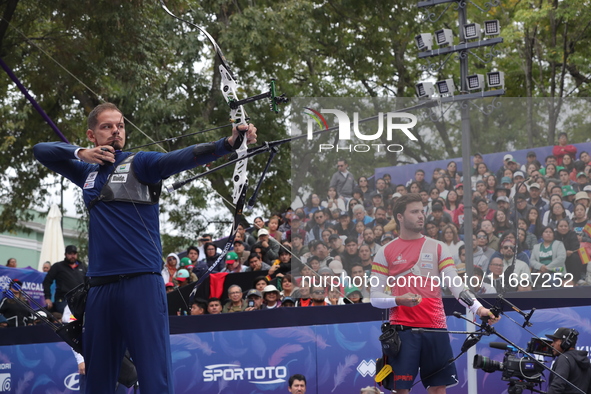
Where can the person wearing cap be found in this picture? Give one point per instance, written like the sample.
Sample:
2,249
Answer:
568,195
582,180
66,274
345,226
282,265
387,237
320,250
16,314
171,266
240,250
563,148
438,216
509,163
235,302
170,287
535,197
521,208
187,264
254,300
571,364
183,277
271,297
506,182
476,159
518,177
500,191
288,302
295,227
504,203
336,245
233,264
531,158
353,296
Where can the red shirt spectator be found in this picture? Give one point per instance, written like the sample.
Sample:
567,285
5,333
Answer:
563,149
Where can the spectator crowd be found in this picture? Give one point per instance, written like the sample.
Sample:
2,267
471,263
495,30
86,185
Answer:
529,219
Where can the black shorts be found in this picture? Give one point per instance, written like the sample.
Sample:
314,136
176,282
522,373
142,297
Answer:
429,351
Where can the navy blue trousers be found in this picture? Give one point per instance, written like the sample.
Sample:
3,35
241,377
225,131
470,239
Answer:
132,314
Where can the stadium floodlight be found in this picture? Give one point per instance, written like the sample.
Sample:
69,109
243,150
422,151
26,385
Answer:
444,37
492,28
472,31
424,89
424,41
495,79
446,87
475,82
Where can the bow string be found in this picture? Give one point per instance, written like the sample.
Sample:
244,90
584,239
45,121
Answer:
239,118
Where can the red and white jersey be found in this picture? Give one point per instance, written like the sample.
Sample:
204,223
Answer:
409,266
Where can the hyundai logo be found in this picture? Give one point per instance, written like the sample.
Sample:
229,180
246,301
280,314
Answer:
72,381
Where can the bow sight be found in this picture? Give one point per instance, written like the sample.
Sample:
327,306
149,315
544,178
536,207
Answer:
274,100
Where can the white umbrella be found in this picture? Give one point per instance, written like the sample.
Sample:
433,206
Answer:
53,247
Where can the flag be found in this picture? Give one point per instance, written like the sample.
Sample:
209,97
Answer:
587,229
584,255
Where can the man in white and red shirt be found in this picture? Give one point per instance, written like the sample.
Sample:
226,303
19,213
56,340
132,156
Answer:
407,275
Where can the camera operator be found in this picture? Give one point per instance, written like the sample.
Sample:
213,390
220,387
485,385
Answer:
570,363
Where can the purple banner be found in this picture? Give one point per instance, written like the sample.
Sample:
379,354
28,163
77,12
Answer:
31,278
494,161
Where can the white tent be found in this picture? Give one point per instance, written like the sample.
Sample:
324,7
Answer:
53,248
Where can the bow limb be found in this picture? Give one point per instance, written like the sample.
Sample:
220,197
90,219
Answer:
36,105
238,115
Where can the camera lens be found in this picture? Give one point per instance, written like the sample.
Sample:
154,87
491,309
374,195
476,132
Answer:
486,364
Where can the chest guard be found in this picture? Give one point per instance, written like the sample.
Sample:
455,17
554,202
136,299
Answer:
425,269
123,185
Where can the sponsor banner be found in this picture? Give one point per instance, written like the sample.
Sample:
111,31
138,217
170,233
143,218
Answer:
337,358
31,278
